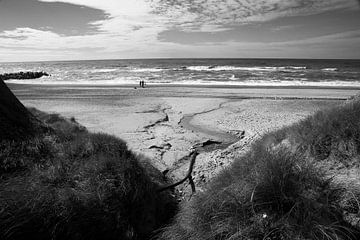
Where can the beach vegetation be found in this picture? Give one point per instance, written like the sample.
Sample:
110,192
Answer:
68,183
300,182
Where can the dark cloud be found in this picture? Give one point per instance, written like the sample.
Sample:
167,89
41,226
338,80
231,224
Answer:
276,30
61,18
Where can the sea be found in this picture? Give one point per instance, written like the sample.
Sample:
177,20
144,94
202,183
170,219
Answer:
225,72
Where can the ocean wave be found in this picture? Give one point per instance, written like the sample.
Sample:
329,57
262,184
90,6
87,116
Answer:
292,68
233,77
103,70
330,69
271,83
220,68
233,68
149,69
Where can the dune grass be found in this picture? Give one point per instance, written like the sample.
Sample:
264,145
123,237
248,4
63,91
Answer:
72,184
286,187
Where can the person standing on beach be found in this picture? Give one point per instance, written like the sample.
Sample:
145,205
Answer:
142,83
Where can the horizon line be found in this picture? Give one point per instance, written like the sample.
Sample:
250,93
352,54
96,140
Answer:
176,58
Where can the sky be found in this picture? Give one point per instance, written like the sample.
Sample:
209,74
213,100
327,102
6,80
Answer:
44,30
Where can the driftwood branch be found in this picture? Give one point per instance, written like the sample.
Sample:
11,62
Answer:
188,175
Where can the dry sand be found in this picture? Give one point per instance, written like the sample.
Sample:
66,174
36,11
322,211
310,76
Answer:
165,123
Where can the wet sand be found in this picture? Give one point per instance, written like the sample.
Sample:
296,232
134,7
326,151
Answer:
166,123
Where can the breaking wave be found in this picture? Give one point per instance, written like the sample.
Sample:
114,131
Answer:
330,69
232,68
149,69
103,70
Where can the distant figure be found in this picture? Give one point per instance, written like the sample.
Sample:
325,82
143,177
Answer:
140,83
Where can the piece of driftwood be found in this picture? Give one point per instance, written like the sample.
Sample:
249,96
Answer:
188,175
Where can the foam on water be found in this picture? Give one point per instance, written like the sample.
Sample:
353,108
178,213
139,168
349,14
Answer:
237,72
330,69
103,70
149,70
232,68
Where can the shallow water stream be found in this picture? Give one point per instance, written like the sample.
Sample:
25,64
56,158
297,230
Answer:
218,139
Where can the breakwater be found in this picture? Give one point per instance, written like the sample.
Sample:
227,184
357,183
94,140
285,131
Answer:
23,75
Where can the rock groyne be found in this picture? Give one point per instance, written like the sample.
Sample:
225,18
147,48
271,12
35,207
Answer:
22,75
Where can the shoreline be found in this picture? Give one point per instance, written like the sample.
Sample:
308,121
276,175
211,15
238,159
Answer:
156,85
29,91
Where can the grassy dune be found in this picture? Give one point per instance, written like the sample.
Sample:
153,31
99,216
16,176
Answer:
301,182
71,184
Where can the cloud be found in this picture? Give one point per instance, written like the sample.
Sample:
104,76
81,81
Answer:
199,15
347,39
131,27
122,15
232,12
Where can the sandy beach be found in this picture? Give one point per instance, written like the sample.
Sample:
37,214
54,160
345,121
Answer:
166,123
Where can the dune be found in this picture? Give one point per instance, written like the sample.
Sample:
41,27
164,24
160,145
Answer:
15,121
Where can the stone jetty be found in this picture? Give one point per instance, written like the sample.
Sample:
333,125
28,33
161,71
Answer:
22,75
